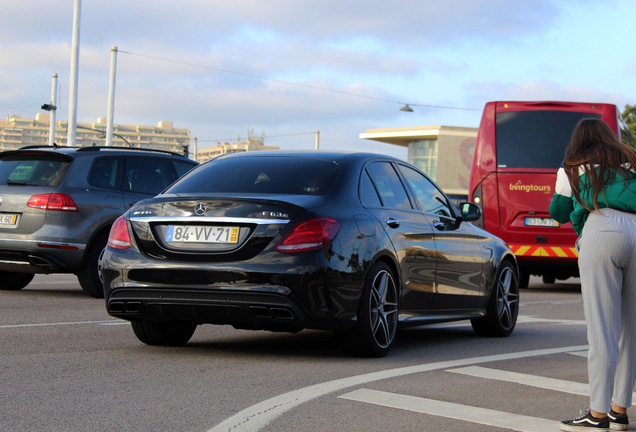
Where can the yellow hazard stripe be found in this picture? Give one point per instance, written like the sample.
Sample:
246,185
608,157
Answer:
544,251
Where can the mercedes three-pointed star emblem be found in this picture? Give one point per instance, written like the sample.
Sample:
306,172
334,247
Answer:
200,208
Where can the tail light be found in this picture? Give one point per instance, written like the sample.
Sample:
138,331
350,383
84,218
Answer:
52,201
119,237
310,235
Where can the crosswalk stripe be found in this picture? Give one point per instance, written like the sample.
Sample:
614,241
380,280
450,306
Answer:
454,411
525,379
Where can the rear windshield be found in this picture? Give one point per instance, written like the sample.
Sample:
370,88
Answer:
33,169
261,175
535,139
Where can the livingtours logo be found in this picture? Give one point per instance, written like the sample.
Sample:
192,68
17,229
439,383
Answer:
530,187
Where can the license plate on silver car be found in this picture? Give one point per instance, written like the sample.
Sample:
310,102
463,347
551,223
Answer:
8,219
202,234
541,222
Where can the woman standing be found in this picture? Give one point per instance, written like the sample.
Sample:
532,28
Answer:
596,191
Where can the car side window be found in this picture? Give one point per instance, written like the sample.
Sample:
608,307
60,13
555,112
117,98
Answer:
147,175
368,195
428,197
181,167
105,173
388,184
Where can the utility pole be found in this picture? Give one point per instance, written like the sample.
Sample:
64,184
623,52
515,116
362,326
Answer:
196,152
72,106
111,97
317,139
53,109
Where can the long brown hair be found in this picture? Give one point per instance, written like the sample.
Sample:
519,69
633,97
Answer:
596,152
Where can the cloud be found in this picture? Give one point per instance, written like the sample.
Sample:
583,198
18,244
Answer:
197,23
220,67
545,91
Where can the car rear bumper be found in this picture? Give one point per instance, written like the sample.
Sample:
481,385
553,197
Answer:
242,309
255,295
30,256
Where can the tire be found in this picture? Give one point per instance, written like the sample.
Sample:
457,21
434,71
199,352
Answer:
376,326
163,334
503,306
549,279
13,281
88,276
524,279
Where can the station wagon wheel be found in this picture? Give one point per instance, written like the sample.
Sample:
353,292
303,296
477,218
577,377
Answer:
14,281
89,275
163,334
377,321
503,306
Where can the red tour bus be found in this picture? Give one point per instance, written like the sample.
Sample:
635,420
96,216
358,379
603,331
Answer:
520,146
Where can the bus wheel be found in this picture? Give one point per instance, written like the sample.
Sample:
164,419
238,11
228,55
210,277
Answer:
549,279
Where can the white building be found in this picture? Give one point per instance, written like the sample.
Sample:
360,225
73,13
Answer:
444,153
17,132
253,143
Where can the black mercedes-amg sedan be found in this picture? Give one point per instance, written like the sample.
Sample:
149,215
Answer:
355,243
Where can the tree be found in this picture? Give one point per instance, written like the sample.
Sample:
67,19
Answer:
628,129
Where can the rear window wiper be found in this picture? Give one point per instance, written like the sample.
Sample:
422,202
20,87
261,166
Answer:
20,183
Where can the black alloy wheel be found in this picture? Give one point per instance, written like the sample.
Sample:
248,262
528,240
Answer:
375,329
503,306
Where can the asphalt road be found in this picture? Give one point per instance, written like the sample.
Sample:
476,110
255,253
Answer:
65,365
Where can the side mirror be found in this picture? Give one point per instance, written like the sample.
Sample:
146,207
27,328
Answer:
469,211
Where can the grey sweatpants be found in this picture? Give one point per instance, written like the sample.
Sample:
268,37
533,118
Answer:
607,263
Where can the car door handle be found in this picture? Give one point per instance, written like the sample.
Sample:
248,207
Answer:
393,223
439,225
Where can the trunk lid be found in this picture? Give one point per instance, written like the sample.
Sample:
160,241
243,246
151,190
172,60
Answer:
214,228
25,173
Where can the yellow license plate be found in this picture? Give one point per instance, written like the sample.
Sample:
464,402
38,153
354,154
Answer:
8,219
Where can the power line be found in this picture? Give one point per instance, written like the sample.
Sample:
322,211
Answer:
268,136
19,109
293,83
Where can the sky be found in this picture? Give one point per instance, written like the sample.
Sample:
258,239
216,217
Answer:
289,68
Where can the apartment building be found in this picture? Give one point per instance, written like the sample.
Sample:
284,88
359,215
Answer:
18,132
252,143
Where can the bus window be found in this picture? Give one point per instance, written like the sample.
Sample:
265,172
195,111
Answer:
535,139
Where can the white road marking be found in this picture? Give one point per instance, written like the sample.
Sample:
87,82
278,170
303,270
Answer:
257,416
531,319
12,326
454,411
529,380
525,379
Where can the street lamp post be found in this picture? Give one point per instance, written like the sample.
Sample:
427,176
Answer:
111,96
52,107
72,107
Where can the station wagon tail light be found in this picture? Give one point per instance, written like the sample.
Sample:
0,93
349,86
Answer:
119,237
52,201
310,235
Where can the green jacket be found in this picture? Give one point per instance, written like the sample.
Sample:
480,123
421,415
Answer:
619,195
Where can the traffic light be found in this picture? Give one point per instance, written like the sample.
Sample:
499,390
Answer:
186,150
48,107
